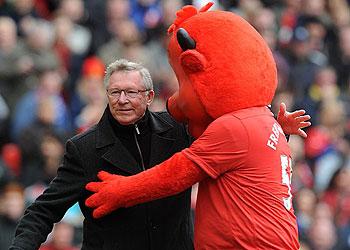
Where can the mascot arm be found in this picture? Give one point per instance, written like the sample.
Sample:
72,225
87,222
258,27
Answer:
168,178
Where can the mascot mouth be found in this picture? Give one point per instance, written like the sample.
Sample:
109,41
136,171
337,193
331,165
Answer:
174,110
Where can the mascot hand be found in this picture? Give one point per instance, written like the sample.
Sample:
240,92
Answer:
105,198
165,179
292,123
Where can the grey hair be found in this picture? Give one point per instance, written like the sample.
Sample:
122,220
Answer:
123,65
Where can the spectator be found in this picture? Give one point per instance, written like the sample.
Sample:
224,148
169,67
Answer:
88,101
11,155
125,43
22,12
306,201
343,68
337,196
323,88
61,238
15,64
145,13
326,144
302,68
39,162
50,85
4,121
6,174
73,40
322,233
265,21
11,210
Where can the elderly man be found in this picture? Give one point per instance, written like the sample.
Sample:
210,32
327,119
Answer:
127,140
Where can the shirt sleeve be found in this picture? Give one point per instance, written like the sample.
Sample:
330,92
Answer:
222,147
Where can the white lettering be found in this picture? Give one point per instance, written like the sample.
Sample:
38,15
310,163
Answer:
271,145
275,130
274,136
286,164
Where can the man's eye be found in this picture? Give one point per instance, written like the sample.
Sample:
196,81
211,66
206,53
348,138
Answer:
115,92
132,92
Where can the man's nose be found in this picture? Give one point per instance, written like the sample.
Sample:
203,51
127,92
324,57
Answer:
122,97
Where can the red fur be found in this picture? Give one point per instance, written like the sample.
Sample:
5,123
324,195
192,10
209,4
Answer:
192,61
239,70
185,13
169,178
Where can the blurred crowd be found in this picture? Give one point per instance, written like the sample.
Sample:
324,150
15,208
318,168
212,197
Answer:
52,60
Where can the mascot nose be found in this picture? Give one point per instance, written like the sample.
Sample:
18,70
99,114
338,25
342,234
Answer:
174,110
185,40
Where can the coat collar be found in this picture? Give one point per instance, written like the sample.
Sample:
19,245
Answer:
105,135
160,140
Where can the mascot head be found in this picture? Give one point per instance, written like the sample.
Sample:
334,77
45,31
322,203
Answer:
222,65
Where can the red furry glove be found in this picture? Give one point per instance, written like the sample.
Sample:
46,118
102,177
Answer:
292,123
166,179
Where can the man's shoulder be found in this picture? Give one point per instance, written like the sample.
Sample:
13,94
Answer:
163,121
85,135
164,116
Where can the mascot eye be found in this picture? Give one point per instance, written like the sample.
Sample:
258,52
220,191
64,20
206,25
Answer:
185,40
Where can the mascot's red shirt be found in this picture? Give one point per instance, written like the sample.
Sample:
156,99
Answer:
247,200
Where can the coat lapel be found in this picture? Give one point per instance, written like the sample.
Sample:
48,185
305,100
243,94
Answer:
162,142
116,154
160,148
120,157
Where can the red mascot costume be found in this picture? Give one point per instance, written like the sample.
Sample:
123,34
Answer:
241,159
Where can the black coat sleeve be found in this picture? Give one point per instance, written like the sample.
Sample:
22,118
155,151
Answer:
49,208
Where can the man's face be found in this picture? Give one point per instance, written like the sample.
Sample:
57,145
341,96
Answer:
127,110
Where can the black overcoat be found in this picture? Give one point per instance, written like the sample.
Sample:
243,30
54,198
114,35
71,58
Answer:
161,224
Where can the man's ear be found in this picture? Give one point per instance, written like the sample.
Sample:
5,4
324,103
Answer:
192,61
150,97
